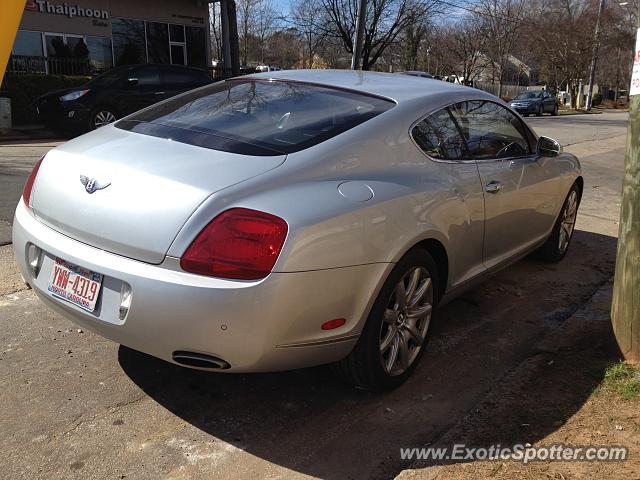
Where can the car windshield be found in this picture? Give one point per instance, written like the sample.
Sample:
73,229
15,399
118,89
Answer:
528,95
256,116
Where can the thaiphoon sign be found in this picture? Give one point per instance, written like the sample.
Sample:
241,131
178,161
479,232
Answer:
44,6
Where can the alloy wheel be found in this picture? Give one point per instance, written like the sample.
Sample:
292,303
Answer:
568,221
406,321
103,117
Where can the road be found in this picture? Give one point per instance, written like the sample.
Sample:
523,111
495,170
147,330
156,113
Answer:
78,406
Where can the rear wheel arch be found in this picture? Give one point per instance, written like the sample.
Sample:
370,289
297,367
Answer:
439,253
580,182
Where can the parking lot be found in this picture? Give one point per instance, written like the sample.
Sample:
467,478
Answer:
78,406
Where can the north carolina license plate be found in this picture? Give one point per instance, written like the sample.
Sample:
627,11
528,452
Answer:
75,284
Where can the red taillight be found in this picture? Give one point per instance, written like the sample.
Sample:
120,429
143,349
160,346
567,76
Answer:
240,243
28,187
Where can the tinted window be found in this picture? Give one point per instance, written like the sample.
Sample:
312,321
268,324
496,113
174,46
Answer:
439,137
147,76
257,117
491,131
113,78
181,76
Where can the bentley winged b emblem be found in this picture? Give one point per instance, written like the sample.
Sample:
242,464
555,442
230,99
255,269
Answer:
91,184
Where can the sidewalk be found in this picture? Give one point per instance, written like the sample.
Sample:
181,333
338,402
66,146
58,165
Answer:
21,133
529,405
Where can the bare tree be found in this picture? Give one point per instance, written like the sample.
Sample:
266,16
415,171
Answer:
386,19
246,13
467,47
501,23
308,19
265,19
215,28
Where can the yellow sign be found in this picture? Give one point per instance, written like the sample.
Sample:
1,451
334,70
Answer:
10,15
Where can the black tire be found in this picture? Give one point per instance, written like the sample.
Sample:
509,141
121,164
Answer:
99,114
552,250
555,111
540,111
363,367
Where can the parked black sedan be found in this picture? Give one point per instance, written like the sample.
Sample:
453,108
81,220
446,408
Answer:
116,93
535,102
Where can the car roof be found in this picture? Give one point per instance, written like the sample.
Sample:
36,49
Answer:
401,88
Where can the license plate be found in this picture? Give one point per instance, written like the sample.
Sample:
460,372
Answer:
75,284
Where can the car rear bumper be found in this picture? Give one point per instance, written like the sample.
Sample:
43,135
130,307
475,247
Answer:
268,325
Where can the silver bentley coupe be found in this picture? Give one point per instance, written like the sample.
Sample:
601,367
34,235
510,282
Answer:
292,218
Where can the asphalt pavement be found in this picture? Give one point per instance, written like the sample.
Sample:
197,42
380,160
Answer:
78,406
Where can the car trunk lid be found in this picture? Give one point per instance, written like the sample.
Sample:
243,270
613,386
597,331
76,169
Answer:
151,186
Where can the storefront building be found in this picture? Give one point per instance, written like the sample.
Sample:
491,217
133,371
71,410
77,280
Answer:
91,36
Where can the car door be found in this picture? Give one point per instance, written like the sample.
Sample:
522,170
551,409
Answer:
146,88
548,102
449,172
176,80
519,185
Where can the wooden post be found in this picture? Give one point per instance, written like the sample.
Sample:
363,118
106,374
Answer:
625,310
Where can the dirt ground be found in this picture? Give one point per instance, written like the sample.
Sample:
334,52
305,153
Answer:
540,403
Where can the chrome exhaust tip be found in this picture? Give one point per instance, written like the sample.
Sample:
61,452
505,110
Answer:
201,361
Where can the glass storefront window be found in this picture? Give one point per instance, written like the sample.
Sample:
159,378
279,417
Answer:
56,46
28,43
134,42
77,47
100,53
128,41
177,54
177,33
196,46
158,42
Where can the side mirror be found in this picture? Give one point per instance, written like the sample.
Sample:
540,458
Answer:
132,82
548,147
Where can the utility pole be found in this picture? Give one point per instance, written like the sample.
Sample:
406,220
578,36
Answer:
358,39
594,56
625,309
230,47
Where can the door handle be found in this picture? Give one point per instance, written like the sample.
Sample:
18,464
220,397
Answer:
160,93
493,187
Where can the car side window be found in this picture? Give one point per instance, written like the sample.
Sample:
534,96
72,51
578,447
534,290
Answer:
439,137
148,76
491,130
178,76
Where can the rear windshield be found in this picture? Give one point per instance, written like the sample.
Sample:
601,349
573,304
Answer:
257,117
